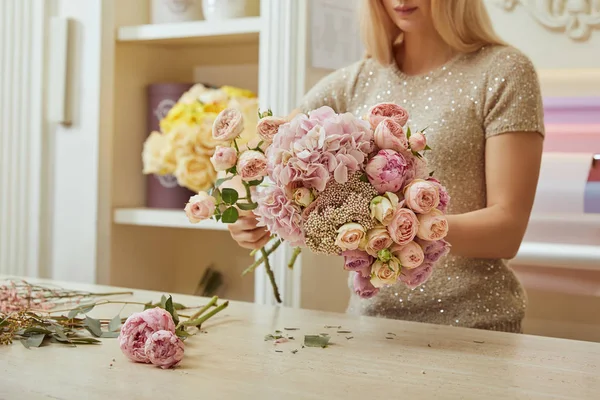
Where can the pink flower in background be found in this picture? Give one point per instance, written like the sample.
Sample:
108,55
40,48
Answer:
164,349
252,165
421,196
224,158
414,278
322,114
434,250
443,193
410,255
433,225
386,171
358,261
228,125
138,328
200,207
280,215
268,127
389,135
377,239
417,141
404,226
363,287
382,111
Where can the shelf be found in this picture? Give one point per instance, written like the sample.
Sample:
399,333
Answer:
239,30
162,218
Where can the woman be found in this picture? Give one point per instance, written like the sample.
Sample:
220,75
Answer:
481,102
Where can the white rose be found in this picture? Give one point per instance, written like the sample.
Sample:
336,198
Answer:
350,236
384,207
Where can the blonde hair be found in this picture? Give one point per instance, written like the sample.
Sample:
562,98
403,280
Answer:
463,24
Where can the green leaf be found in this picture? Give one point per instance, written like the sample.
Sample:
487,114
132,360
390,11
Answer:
427,147
408,133
316,340
230,215
182,334
163,302
115,324
221,181
232,170
110,335
94,326
60,333
83,309
247,206
171,310
256,183
34,340
85,340
148,306
431,173
423,130
364,178
178,306
36,330
230,196
217,218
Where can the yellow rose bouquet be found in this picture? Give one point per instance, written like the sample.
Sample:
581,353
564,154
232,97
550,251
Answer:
185,144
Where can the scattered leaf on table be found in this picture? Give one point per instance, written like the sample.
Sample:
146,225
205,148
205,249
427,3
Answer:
278,351
291,329
84,340
333,327
110,335
34,340
272,337
83,309
294,351
479,342
93,325
58,331
171,309
115,324
391,334
344,331
35,329
349,337
389,337
316,340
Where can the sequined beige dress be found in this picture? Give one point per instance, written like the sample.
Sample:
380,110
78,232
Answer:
473,97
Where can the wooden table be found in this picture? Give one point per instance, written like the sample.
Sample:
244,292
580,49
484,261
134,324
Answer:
233,361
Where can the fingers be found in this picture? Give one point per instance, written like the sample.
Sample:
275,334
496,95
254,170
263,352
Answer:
252,236
243,224
258,244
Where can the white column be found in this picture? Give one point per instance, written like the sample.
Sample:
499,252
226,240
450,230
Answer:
22,43
281,86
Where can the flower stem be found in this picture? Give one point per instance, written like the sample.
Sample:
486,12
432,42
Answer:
210,304
259,262
248,194
202,319
270,275
295,255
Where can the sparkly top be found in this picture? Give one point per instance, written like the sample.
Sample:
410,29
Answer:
472,97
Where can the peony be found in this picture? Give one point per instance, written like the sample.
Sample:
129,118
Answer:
377,239
410,255
349,236
417,276
404,226
138,328
421,196
164,349
280,215
252,165
443,193
224,158
433,225
384,207
200,207
363,287
383,274
417,141
358,261
381,111
390,135
434,250
303,197
268,127
416,168
195,173
386,171
228,125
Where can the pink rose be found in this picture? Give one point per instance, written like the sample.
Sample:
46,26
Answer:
268,127
434,250
410,255
349,236
433,225
377,239
389,135
200,207
385,273
224,158
417,276
358,261
138,328
404,226
417,142
386,171
444,196
382,111
421,196
416,168
164,349
363,287
228,125
252,165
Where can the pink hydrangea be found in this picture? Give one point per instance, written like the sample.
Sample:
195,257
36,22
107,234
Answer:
280,215
164,349
137,329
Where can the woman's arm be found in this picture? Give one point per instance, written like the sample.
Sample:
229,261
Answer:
512,170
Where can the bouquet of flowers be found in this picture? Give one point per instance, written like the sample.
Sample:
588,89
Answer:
339,185
185,144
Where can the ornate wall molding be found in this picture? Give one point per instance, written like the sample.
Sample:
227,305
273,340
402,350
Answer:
577,18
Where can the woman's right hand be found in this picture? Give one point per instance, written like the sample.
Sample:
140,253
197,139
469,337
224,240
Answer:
247,234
